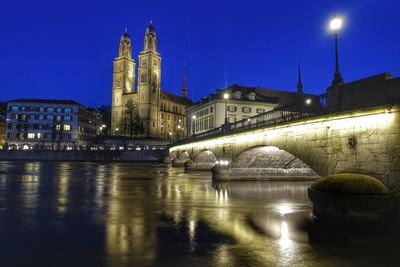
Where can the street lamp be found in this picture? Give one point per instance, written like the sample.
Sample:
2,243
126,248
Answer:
193,123
335,25
170,137
226,96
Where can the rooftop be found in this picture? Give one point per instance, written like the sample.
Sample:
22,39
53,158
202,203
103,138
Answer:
255,94
177,99
45,101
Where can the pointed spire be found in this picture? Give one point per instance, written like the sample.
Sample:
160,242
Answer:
184,87
299,83
126,29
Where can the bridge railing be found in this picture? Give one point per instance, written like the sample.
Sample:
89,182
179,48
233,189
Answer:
309,106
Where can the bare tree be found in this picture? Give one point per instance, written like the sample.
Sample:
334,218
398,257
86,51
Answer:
130,124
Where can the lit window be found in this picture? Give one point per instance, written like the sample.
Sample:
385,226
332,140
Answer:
58,118
67,127
39,135
31,135
58,127
232,108
260,110
246,109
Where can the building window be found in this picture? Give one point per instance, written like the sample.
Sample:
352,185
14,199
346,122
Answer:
211,109
246,109
39,135
50,117
58,110
67,118
232,108
67,110
50,109
14,108
58,118
162,116
31,135
41,109
67,127
260,110
58,127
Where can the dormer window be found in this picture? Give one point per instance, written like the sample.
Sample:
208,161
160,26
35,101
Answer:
237,95
251,96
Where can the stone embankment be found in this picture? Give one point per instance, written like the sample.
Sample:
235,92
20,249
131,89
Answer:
85,155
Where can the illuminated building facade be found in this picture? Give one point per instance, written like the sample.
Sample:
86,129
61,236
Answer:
47,124
2,131
242,103
163,114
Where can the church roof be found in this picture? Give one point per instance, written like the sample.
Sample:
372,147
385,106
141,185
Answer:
150,28
177,99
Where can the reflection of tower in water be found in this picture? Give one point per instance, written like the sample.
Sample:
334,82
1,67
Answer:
130,230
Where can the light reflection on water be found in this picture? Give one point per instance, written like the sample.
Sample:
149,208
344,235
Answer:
121,214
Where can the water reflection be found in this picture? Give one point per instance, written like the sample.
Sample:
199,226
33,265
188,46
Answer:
144,215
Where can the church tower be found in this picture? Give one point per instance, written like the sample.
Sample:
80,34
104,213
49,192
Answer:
123,79
149,77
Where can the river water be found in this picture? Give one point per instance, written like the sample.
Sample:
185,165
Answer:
124,214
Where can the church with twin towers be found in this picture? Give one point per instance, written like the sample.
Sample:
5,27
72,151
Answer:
163,114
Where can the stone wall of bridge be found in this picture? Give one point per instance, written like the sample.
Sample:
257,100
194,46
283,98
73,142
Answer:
366,141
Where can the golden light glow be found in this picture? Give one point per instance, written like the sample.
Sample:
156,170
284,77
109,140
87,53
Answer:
226,95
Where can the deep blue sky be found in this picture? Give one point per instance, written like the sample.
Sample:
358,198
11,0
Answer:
64,49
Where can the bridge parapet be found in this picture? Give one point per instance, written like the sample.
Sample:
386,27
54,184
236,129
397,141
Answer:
366,141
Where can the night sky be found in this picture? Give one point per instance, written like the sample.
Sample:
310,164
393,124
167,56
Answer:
64,49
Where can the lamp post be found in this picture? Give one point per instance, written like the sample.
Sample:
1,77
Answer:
170,137
179,132
193,124
226,96
335,25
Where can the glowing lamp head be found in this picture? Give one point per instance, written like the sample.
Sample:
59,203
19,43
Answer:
170,133
226,95
308,101
336,24
179,126
194,117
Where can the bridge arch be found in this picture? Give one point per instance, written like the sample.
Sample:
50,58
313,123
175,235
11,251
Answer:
271,161
204,160
184,156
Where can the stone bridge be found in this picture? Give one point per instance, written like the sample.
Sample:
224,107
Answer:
365,140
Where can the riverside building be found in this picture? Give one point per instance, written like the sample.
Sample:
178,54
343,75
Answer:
243,102
49,124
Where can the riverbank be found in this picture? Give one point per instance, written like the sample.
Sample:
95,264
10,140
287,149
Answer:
84,155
